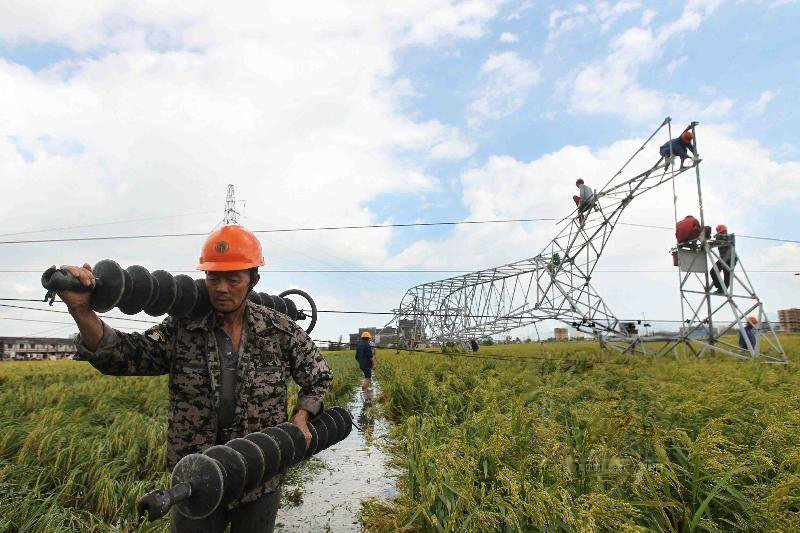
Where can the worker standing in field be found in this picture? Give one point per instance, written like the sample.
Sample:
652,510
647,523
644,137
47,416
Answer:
228,371
678,147
725,243
365,355
584,200
750,333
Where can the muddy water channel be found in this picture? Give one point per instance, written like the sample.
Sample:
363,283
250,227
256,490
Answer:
327,492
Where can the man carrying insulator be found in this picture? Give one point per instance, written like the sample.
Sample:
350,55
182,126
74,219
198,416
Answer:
725,243
365,356
677,148
228,370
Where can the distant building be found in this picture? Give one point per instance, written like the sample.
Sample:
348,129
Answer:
561,334
35,348
789,320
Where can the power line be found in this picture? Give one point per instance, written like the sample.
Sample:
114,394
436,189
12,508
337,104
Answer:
82,226
284,230
351,312
366,226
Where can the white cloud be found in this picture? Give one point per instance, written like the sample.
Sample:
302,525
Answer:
299,108
759,106
508,37
673,65
601,14
454,148
507,79
611,84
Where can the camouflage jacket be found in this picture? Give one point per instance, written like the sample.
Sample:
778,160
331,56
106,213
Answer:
273,349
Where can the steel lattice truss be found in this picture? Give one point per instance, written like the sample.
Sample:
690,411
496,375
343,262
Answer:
553,285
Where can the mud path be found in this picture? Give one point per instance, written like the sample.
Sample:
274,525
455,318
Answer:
328,495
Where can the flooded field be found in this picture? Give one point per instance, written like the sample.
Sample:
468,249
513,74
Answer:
328,495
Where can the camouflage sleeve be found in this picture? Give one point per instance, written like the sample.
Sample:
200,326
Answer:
309,370
131,354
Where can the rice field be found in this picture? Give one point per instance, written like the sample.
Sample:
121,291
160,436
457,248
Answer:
78,449
575,442
555,437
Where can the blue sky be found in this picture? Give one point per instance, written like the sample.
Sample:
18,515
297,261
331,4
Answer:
424,111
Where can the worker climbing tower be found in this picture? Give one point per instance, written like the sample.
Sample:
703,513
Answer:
713,314
557,284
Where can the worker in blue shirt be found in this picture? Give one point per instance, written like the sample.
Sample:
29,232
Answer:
678,147
750,331
365,355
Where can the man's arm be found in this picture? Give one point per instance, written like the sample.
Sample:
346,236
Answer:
130,354
312,374
108,350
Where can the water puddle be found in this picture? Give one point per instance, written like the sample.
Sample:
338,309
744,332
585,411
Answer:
331,488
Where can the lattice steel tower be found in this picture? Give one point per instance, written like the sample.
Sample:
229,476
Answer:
556,284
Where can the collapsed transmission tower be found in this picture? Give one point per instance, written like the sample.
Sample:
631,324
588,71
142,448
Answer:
556,284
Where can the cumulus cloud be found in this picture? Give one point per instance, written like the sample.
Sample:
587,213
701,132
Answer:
611,84
601,14
508,37
507,79
759,106
158,108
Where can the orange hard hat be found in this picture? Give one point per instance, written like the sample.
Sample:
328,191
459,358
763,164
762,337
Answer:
753,320
230,248
687,136
722,228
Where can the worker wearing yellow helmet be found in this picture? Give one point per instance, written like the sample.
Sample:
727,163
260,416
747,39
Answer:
365,355
228,370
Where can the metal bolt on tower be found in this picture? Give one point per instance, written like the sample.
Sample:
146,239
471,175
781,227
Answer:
556,284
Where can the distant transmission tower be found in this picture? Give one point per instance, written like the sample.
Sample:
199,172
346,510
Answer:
557,284
231,214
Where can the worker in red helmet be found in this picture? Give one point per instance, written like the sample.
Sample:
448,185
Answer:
228,370
678,147
584,200
748,338
724,244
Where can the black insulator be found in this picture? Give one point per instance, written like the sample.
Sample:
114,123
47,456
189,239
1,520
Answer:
266,300
186,298
278,304
253,459
322,433
347,418
271,452
138,290
298,440
165,295
234,471
340,425
286,446
291,308
206,480
202,306
254,297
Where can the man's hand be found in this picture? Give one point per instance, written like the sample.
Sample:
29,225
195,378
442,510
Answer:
300,420
78,301
79,307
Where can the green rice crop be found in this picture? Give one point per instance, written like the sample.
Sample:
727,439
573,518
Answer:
572,441
78,449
